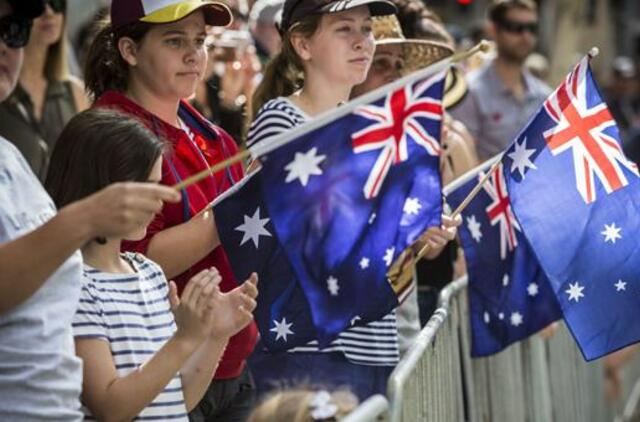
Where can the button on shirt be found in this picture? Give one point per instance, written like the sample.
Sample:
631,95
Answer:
491,112
40,376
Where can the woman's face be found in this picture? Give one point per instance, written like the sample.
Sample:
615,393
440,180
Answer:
342,48
387,66
155,176
171,59
47,28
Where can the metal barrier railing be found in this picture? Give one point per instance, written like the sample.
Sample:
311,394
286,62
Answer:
375,408
535,380
426,385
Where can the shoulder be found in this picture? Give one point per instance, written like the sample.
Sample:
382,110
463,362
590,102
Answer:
276,116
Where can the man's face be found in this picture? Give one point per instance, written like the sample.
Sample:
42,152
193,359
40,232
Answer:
10,60
516,35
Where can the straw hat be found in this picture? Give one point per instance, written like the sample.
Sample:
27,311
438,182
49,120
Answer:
419,54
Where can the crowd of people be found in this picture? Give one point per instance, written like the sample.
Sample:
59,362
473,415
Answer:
91,229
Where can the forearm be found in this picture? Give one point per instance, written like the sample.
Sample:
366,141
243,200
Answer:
27,262
178,248
198,371
126,397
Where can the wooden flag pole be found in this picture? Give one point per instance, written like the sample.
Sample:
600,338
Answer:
243,154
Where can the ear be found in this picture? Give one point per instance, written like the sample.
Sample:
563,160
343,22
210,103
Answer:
128,49
301,46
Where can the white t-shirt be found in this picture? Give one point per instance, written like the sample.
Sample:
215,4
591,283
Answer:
40,375
132,313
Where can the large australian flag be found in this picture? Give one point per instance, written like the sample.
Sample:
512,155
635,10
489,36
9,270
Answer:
577,200
342,200
509,295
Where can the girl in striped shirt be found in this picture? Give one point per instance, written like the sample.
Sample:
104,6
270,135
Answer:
331,45
147,355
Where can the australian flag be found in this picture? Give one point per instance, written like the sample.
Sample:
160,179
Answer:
576,198
334,208
509,295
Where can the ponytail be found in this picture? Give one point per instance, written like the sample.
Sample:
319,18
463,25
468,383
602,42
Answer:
105,69
284,74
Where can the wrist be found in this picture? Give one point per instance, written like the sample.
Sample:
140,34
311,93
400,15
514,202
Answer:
185,344
77,218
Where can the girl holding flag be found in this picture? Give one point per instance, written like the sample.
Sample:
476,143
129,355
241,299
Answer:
146,62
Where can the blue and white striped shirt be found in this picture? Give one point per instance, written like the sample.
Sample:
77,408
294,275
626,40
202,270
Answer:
373,344
132,313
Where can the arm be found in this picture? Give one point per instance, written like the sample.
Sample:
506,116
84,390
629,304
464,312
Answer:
178,248
111,397
232,314
114,211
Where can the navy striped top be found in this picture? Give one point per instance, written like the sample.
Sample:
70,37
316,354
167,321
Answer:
132,313
375,343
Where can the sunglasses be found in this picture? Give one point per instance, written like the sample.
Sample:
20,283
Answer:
58,6
15,30
519,27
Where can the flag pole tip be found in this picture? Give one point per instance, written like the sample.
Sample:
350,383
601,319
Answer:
484,46
594,52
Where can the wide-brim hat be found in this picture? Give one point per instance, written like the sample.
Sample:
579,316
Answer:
295,10
124,12
419,54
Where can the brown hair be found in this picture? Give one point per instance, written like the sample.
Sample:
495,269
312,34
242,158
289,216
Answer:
99,147
294,406
105,69
499,8
284,74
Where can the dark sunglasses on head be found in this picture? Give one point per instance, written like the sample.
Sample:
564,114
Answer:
15,30
58,6
519,27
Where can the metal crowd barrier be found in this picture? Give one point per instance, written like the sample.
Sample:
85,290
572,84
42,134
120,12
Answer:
535,380
375,408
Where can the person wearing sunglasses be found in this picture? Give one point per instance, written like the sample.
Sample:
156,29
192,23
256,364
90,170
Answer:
47,96
41,267
503,94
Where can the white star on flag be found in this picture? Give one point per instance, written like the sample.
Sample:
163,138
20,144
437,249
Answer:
388,256
575,291
501,316
412,206
364,263
332,286
474,228
521,158
532,289
620,285
505,280
516,319
304,165
253,228
611,233
282,329
486,317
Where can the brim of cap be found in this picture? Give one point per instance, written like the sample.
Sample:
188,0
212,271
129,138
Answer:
376,7
418,54
215,13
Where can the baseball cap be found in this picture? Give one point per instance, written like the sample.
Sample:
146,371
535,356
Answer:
124,12
29,9
295,10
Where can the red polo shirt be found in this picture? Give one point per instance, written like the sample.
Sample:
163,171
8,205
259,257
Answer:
186,157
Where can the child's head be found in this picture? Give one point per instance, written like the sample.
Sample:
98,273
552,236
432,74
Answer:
156,46
304,405
99,147
324,39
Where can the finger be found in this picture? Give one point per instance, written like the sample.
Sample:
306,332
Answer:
192,291
205,301
249,287
158,192
174,300
248,303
